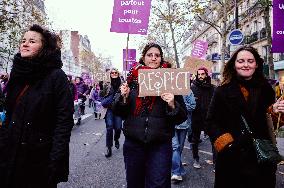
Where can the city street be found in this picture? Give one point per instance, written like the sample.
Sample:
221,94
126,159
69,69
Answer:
89,167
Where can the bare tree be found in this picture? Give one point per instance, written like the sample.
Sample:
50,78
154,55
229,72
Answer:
223,7
170,21
16,16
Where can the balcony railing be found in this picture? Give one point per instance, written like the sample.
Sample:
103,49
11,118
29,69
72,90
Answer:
262,33
254,37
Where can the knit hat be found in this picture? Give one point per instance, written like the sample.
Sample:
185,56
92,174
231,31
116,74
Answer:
204,69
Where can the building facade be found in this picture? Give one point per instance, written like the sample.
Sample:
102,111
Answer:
250,20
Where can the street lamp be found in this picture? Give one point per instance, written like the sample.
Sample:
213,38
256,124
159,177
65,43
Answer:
236,14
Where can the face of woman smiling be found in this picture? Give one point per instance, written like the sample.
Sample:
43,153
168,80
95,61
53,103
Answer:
153,58
31,44
245,64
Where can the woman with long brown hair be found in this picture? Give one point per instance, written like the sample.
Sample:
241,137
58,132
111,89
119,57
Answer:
244,92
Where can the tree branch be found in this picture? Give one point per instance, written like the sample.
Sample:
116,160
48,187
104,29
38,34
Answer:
211,24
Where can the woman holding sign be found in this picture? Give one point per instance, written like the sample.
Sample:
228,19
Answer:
149,126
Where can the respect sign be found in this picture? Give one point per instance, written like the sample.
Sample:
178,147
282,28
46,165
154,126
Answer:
278,26
130,16
101,76
154,82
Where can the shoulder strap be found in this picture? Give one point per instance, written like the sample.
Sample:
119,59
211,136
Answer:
21,94
246,124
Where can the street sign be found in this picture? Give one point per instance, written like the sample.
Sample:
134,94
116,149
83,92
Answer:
236,37
216,57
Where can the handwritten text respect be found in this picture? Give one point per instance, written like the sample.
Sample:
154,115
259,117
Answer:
154,82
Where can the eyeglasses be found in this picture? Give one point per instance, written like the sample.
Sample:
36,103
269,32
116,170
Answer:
114,73
153,55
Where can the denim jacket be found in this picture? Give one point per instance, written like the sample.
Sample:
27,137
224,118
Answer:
190,103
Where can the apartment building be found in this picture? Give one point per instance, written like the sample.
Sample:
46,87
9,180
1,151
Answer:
73,46
250,21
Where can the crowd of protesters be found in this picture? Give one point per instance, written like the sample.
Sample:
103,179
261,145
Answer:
39,102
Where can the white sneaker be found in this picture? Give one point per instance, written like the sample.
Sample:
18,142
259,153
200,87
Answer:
176,178
196,164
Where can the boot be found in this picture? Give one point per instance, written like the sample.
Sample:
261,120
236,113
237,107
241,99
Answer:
108,152
78,122
116,144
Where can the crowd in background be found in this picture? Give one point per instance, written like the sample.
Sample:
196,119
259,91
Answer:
39,103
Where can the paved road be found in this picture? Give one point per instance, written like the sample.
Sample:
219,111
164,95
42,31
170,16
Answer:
90,169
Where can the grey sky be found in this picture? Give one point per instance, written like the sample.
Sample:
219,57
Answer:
92,18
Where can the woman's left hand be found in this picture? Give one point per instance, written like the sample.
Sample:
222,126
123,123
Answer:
169,98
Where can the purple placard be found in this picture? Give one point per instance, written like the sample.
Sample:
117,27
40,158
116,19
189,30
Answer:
278,26
131,60
199,49
130,16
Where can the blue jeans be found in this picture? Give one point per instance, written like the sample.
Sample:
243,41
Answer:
113,123
147,165
177,144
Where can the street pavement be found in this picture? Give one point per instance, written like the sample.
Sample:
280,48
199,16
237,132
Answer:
90,169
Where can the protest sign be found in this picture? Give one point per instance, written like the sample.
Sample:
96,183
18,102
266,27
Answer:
192,64
199,49
130,16
154,82
101,76
131,59
278,27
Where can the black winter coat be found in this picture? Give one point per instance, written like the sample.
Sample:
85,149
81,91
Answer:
34,146
203,93
157,126
237,165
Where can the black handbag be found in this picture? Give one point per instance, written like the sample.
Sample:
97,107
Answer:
266,151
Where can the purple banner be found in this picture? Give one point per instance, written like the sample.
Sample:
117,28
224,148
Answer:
131,60
278,26
130,16
199,49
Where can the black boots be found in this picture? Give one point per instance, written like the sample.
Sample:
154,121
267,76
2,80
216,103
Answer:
108,152
116,144
78,122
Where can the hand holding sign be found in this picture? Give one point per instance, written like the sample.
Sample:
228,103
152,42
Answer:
124,89
169,98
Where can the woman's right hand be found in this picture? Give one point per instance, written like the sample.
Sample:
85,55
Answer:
278,107
124,89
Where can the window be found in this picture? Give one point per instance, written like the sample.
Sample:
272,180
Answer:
255,26
264,53
281,56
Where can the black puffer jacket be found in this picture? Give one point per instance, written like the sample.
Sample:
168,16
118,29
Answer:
203,92
34,144
157,126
